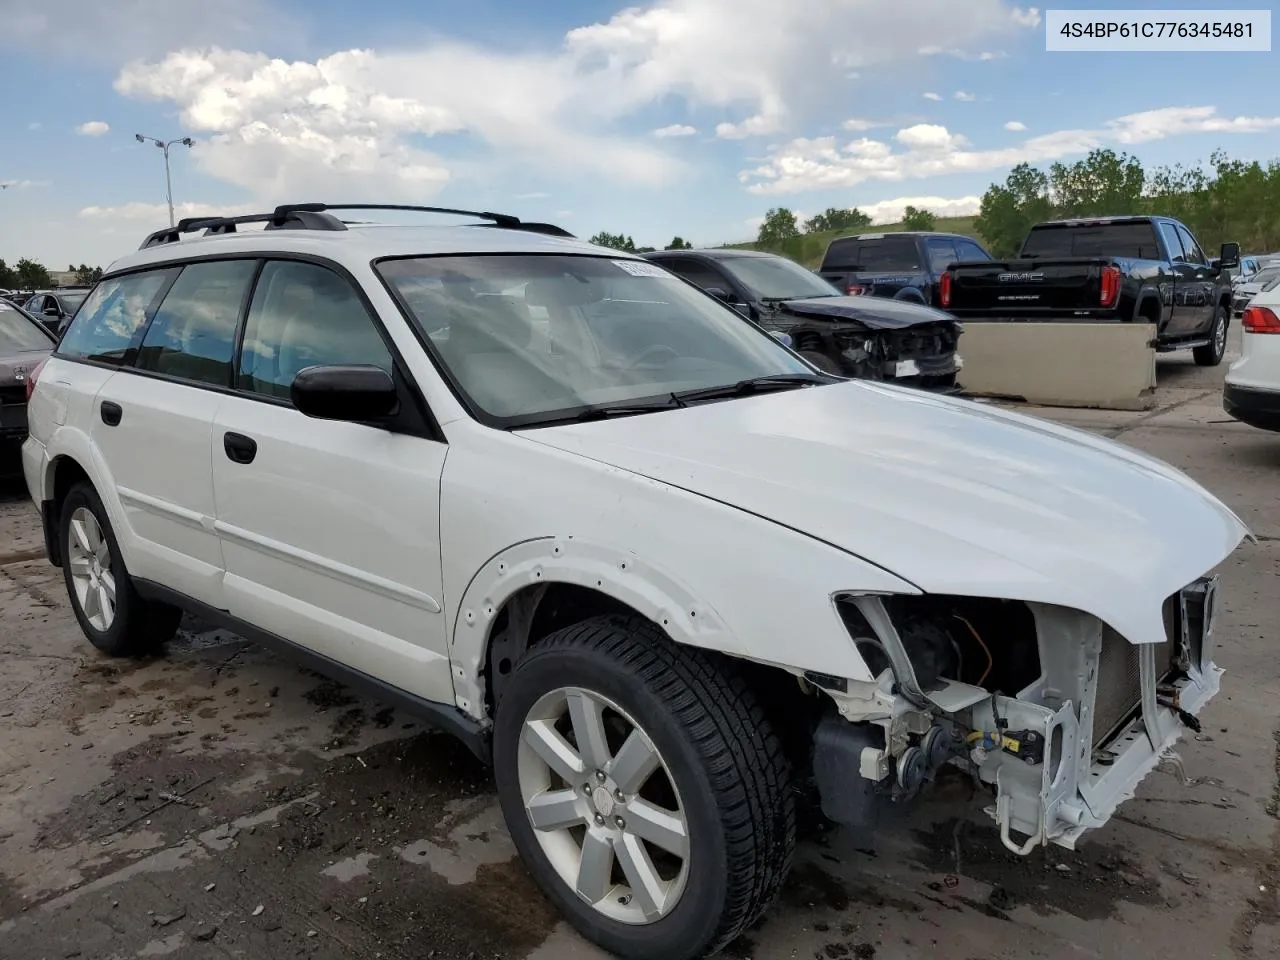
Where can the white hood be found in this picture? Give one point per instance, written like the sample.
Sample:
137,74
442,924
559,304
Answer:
955,497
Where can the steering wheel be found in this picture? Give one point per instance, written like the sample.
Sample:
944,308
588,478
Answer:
648,356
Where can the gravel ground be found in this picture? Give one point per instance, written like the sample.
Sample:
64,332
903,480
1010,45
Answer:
220,802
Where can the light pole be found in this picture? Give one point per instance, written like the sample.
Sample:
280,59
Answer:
165,145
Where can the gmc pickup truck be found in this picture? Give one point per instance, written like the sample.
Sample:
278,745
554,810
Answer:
1122,269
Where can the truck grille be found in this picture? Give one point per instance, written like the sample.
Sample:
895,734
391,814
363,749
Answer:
1119,696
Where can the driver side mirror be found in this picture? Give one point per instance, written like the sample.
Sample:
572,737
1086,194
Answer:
50,311
353,392
1229,256
720,293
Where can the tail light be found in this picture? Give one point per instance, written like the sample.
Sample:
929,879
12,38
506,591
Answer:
1260,320
31,378
855,290
944,289
1110,286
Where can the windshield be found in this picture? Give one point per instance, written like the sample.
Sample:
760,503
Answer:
17,333
777,278
1266,276
529,339
70,301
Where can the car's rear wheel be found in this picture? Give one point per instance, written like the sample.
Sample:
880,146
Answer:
644,788
113,616
1211,354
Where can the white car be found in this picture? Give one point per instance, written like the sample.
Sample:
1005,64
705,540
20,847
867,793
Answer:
629,547
1251,392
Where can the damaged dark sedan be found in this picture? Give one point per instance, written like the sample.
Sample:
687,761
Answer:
863,337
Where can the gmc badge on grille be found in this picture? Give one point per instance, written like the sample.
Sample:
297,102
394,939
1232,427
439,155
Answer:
1020,277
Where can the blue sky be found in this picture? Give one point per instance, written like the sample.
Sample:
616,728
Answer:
553,110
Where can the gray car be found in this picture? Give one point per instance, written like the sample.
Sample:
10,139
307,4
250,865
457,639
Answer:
24,343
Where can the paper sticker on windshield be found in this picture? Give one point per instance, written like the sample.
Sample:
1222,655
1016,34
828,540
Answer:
640,268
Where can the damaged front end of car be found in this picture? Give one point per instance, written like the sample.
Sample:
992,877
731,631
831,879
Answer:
1056,713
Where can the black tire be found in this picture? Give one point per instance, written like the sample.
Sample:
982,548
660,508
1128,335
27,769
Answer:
1211,354
723,755
139,626
822,362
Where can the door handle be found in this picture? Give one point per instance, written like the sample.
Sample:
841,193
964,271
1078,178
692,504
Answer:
239,448
111,412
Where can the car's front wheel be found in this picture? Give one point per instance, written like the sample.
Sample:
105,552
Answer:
644,788
1211,354
114,617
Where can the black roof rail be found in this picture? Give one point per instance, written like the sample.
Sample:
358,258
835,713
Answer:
278,219
504,221
317,216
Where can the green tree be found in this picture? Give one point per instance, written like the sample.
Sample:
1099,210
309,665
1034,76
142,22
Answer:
1008,211
8,276
617,241
86,275
779,226
835,218
678,243
1104,183
916,219
32,275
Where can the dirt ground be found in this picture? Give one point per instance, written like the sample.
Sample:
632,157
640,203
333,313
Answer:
220,802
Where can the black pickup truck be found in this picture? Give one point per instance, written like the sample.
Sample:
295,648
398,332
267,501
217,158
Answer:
1106,269
899,266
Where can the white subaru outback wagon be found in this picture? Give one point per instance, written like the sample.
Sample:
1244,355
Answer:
661,573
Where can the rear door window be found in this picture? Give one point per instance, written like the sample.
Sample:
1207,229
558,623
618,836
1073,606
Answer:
942,253
1190,248
193,334
112,319
1172,242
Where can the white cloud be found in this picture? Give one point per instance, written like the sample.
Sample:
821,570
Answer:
1029,18
363,120
932,150
933,96
22,184
675,130
890,211
93,128
158,213
34,125
858,125
987,55
1017,126
964,97
536,195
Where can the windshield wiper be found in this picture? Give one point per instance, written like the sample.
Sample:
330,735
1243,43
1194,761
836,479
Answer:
606,411
779,381
803,296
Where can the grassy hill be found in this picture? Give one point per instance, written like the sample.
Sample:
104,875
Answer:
809,248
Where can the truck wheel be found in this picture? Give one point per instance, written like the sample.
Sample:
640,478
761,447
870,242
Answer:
1211,354
822,362
644,788
111,613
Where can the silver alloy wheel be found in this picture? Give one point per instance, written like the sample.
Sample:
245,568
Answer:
600,812
1220,336
89,558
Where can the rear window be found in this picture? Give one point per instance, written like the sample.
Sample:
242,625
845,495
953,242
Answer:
17,333
1096,240
881,255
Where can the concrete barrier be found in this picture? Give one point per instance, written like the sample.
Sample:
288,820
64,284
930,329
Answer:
1111,366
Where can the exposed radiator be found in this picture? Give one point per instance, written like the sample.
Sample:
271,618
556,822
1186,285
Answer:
1119,695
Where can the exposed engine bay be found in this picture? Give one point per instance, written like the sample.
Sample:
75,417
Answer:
904,343
1053,711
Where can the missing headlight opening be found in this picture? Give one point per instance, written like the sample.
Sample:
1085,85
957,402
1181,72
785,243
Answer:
1049,708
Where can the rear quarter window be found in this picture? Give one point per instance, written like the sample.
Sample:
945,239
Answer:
110,321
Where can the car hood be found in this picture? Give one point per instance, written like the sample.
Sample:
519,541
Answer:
955,497
877,313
